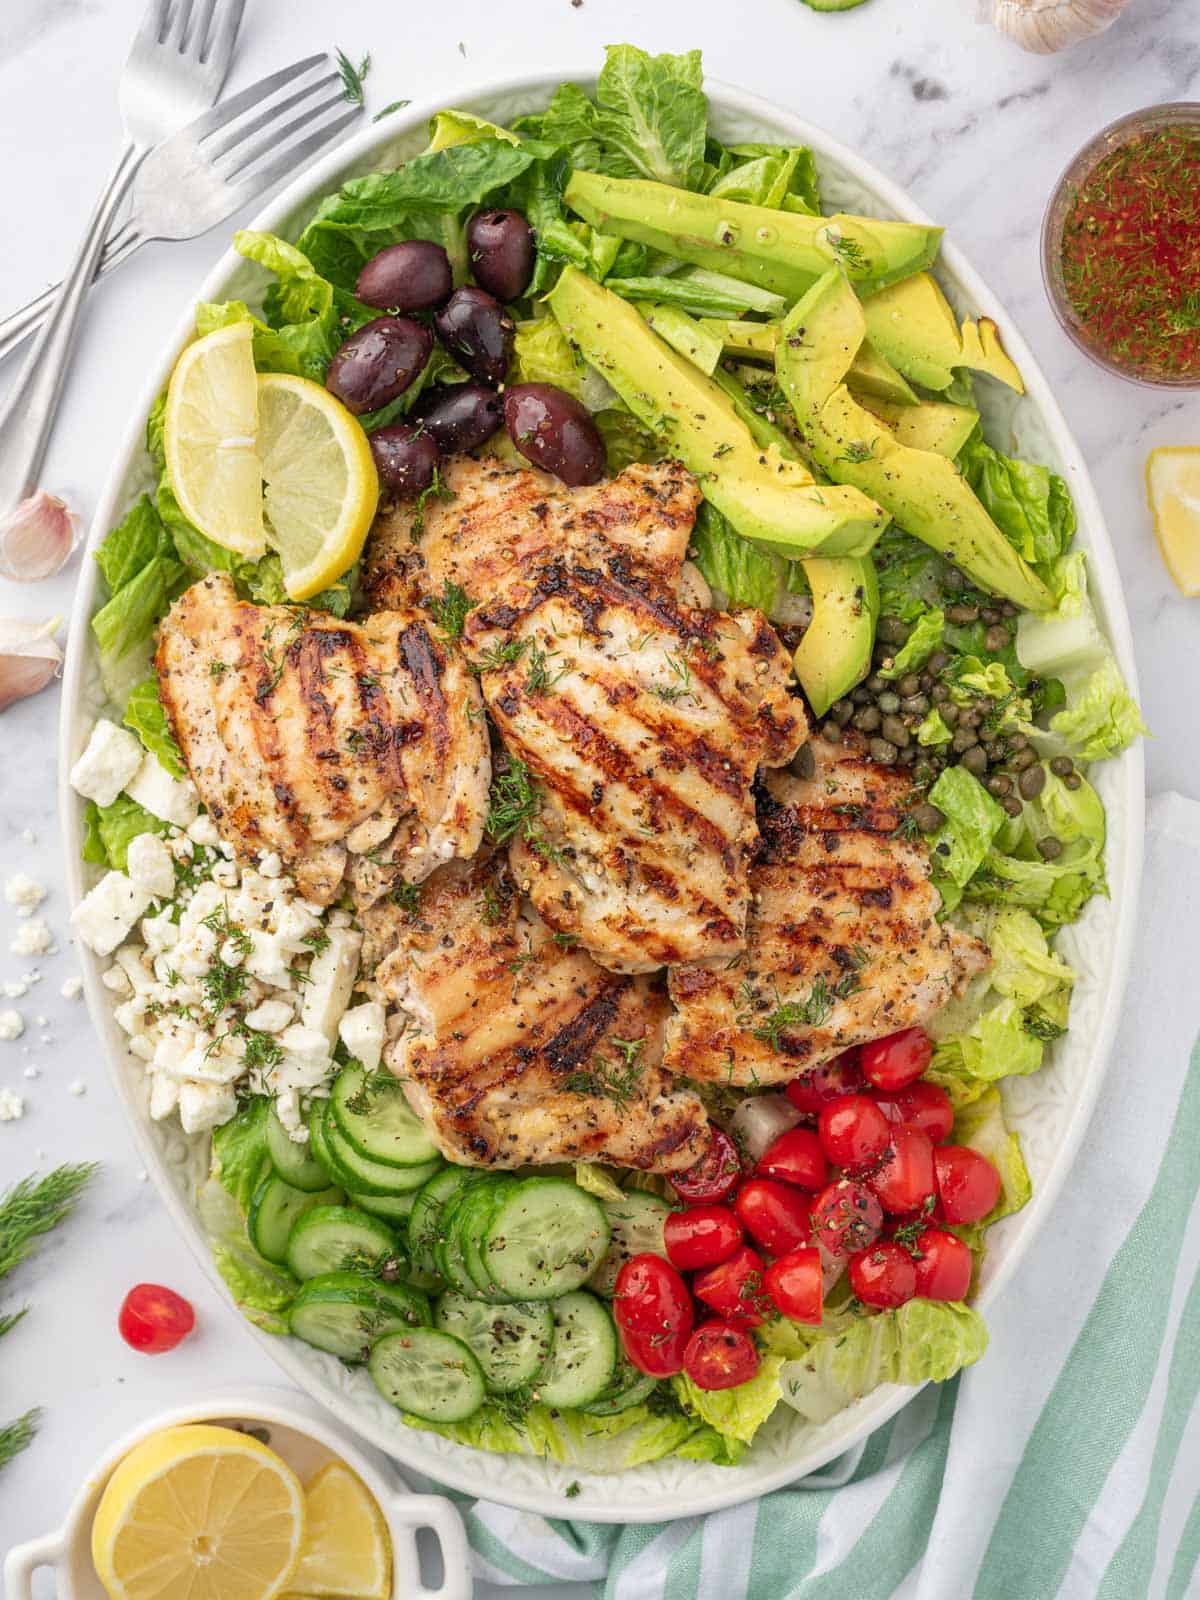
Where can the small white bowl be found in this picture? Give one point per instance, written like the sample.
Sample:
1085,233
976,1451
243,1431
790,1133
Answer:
302,1434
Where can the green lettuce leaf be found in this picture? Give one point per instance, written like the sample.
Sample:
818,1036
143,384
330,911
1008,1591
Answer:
597,1180
1014,873
92,850
195,549
736,1413
1030,505
464,127
933,729
261,1291
745,573
766,175
982,1125
131,546
919,646
144,714
1100,718
116,825
714,295
124,626
625,439
240,1159
973,819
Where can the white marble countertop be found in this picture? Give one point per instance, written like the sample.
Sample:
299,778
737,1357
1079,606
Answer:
976,130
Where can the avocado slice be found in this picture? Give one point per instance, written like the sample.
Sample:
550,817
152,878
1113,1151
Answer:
869,374
835,652
914,326
768,498
782,250
926,493
933,425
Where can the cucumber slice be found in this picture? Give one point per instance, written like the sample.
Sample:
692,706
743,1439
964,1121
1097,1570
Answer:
448,1249
295,1163
545,1239
636,1221
628,1387
374,1117
344,1314
510,1343
394,1208
429,1373
274,1209
425,1219
584,1356
316,1138
339,1239
472,1219
361,1175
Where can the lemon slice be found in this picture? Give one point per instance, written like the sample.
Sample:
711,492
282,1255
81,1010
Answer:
210,430
1173,485
321,488
347,1551
199,1513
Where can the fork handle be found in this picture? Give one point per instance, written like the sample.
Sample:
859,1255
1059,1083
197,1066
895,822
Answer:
16,328
28,415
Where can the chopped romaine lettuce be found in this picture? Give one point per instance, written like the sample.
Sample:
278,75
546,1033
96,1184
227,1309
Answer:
261,1291
771,175
597,1180
240,1159
744,573
116,825
973,819
124,627
195,549
1029,504
133,544
919,646
933,729
982,1126
1014,871
145,715
625,439
735,1413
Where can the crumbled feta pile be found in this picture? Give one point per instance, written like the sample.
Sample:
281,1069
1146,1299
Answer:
72,987
33,938
12,1107
25,893
12,1024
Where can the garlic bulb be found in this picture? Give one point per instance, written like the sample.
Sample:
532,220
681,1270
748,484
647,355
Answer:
1048,25
36,538
29,658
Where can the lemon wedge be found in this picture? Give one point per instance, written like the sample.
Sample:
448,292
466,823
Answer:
210,434
1173,487
347,1551
321,488
199,1513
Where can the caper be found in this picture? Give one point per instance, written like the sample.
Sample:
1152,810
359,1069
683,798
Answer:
916,705
895,730
975,761
1031,782
926,681
883,655
1061,766
925,771
804,763
841,711
1050,848
867,719
888,701
939,692
893,630
999,785
970,717
1018,741
876,684
832,732
909,684
954,580
1023,759
966,739
883,752
909,755
962,612
1072,780
950,713
995,639
938,662
1008,609
988,616
1012,805
861,696
928,818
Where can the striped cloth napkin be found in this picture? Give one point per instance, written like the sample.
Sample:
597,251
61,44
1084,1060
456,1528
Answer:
1066,1464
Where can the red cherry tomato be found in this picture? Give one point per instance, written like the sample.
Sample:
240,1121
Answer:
774,1214
658,1355
795,1157
720,1356
967,1183
846,1217
651,1298
943,1265
735,1288
854,1133
701,1236
820,1084
924,1105
904,1180
153,1319
714,1176
898,1060
796,1286
884,1275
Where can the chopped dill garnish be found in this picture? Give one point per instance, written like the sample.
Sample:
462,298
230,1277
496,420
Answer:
450,612
352,77
808,1013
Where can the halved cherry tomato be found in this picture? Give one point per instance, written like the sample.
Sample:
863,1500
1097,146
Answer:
846,1217
658,1355
720,1356
923,1104
701,1236
854,1133
820,1084
967,1183
795,1157
904,1180
898,1060
943,1265
796,1286
735,1288
884,1275
774,1214
714,1176
153,1319
651,1298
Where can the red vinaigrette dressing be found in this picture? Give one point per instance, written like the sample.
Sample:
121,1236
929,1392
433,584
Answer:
1131,253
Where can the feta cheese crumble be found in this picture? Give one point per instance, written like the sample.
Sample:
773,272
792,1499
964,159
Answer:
153,787
110,760
12,1107
33,938
12,1024
105,916
72,988
25,893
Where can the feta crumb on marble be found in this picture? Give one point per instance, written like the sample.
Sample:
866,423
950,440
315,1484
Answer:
110,760
12,1024
148,863
77,1087
106,915
72,988
25,893
33,938
15,988
361,1030
12,1107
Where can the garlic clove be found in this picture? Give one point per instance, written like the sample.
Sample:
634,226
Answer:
36,538
1048,25
29,658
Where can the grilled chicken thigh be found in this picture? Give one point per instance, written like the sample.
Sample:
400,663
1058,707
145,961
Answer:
517,1049
843,943
324,740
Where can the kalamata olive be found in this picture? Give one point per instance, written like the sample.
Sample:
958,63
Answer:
500,250
406,458
554,431
477,331
411,276
379,362
460,416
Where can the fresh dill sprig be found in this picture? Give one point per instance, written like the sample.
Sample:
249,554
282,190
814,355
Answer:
396,105
17,1436
604,1079
514,802
808,1013
406,895
352,77
499,655
450,612
32,1207
538,678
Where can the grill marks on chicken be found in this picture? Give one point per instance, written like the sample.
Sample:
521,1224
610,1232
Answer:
498,521
843,942
322,739
518,1049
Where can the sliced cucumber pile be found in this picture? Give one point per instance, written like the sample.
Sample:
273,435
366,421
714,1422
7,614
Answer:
344,1313
584,1356
511,1343
340,1239
275,1210
373,1116
544,1239
429,1373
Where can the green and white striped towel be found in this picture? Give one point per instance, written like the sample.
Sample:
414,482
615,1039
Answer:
1066,1464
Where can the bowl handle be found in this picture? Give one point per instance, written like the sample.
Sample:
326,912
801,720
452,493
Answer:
24,1560
416,1511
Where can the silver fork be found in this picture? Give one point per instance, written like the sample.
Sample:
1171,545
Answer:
187,185
175,69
